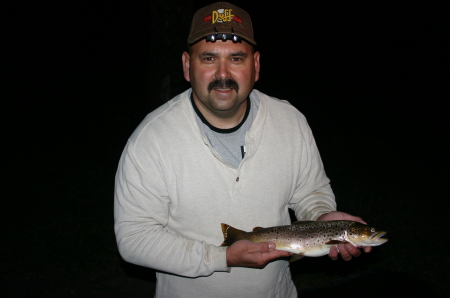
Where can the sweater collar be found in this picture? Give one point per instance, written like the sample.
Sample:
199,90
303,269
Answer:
220,130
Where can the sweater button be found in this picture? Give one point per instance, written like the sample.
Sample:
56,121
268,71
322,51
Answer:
237,179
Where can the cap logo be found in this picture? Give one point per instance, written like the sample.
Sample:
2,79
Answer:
222,16
221,20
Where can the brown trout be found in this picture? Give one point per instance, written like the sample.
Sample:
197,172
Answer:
309,238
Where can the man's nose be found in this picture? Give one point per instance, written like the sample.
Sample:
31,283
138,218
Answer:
222,70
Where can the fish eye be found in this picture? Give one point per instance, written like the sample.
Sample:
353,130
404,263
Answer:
372,230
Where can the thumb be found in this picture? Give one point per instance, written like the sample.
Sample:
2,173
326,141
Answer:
266,246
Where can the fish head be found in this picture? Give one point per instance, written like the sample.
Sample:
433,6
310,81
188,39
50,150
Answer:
362,235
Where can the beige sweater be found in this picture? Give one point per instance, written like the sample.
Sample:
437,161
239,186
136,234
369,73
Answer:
173,192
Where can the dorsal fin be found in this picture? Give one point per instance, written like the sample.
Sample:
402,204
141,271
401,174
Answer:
257,228
299,222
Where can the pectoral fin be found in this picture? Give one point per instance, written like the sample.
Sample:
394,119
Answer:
332,242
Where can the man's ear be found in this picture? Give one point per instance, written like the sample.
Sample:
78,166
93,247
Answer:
186,60
256,56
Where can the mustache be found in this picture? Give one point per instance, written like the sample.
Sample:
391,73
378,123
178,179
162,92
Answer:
223,83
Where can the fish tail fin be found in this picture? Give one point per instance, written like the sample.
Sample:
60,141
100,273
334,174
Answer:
231,234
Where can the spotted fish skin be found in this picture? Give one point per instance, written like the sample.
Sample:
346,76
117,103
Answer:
308,238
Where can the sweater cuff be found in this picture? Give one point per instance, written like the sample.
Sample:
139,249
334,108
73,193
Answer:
321,208
219,259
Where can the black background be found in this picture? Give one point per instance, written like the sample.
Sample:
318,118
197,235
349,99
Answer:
370,78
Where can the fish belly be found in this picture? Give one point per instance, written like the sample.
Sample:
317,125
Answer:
316,251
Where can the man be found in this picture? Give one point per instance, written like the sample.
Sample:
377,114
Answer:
220,152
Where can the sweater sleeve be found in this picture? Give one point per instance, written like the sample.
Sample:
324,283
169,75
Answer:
141,214
313,195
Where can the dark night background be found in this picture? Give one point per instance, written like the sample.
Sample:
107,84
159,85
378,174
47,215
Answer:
369,77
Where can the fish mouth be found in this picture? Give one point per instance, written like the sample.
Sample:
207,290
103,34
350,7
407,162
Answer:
376,238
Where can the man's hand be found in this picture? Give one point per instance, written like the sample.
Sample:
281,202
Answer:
244,253
347,251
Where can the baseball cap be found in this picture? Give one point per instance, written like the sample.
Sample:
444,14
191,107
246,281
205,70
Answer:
221,20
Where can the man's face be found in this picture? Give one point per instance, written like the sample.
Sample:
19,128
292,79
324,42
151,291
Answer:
222,75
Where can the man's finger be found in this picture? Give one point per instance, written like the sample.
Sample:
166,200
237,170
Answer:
352,250
262,247
344,253
367,249
277,254
333,254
